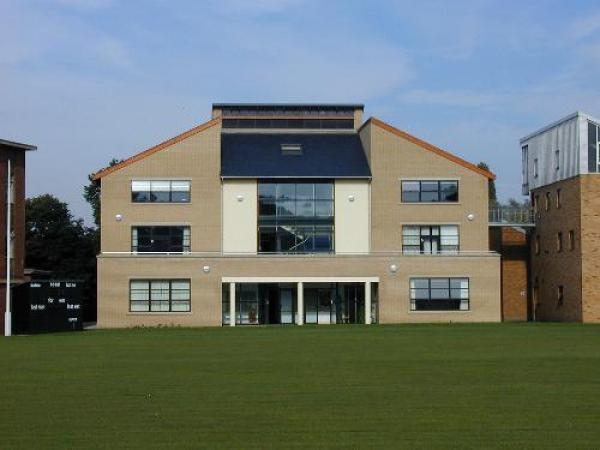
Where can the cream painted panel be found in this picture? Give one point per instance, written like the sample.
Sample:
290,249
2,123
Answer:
239,216
352,217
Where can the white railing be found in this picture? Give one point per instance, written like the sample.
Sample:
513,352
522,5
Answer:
506,215
301,255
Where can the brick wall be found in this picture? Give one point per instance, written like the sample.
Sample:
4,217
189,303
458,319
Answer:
512,244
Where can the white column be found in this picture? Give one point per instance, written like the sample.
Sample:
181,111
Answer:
232,304
300,302
368,302
7,313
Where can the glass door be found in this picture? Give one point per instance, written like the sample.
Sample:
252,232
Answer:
286,305
325,303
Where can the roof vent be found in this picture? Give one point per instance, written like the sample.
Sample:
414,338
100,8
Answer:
291,149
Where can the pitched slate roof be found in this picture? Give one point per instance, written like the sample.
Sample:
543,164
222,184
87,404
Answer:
259,155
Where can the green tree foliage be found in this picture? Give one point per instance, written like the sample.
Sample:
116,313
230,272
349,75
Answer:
57,242
91,193
491,187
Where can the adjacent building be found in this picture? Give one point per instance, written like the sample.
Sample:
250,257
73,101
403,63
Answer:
295,214
12,170
561,173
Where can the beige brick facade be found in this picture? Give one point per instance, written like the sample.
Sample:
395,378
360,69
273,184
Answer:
197,158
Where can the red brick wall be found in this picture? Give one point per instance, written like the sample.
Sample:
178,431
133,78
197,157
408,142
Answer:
513,245
17,157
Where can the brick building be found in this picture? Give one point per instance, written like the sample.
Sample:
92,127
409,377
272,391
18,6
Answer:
561,173
14,153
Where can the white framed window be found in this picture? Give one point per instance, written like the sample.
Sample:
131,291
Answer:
160,191
439,294
159,296
430,239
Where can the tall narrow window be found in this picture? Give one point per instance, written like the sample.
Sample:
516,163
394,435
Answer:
571,239
547,202
525,165
558,199
535,168
557,160
537,244
559,242
560,295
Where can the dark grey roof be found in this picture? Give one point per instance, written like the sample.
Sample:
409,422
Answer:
258,155
17,145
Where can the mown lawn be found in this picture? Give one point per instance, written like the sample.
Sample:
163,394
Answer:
409,386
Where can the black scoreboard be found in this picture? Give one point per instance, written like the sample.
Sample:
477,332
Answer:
48,305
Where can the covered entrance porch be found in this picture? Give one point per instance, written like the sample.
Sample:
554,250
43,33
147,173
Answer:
289,301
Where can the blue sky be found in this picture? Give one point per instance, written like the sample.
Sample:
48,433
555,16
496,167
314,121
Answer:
89,80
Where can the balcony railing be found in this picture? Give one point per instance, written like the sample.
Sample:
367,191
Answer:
510,216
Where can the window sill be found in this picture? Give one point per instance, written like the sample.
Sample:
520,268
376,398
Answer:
160,203
158,313
441,312
430,203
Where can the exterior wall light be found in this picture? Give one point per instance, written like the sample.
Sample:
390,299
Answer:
351,198
240,198
118,217
471,217
206,269
393,268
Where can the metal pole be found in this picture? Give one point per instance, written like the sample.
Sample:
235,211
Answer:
7,313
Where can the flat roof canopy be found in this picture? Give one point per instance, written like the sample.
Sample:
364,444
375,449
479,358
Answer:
260,155
17,145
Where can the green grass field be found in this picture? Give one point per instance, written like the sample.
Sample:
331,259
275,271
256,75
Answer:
410,386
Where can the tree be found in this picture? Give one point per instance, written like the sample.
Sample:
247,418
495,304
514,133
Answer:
57,242
491,185
91,193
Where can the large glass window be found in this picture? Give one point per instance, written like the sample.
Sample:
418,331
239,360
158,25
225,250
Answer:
439,294
160,191
295,217
159,239
429,239
430,191
159,296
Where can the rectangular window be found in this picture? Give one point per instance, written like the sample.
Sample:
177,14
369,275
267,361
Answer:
439,294
547,202
430,239
525,165
160,239
535,199
571,239
560,295
160,191
557,160
537,244
159,296
535,168
559,242
558,199
295,217
442,191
